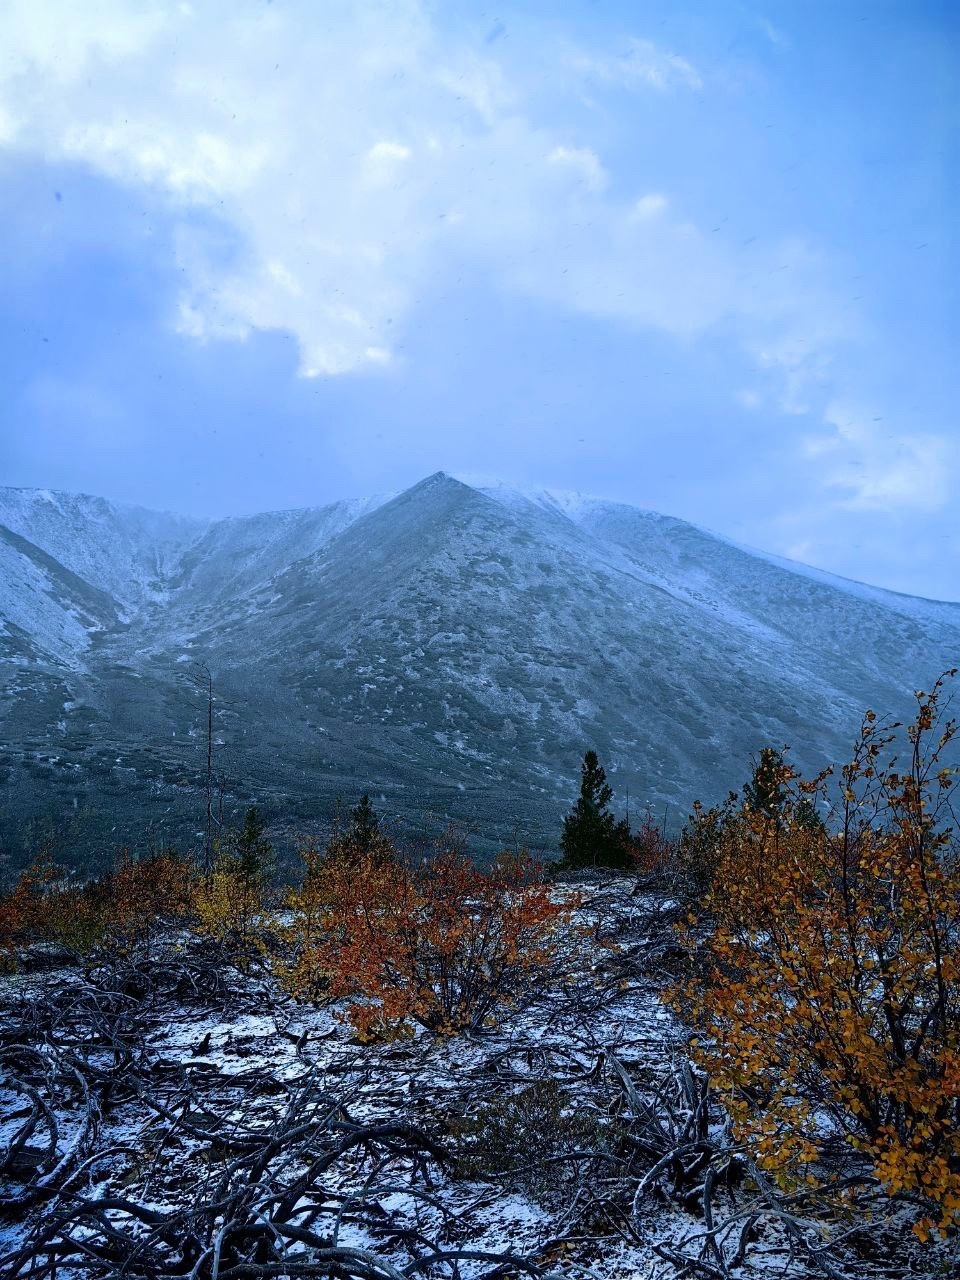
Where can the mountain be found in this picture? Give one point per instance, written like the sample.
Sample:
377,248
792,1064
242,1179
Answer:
452,649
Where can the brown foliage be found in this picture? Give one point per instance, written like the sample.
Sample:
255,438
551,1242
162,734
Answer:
119,909
651,849
829,983
439,944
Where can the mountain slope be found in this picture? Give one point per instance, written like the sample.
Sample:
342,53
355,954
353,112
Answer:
124,550
453,649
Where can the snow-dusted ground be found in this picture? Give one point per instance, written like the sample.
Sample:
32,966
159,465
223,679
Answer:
537,1148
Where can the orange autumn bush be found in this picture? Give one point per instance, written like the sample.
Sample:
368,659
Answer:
143,895
440,944
828,984
120,908
21,911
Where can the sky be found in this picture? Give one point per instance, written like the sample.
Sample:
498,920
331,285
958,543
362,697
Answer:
701,257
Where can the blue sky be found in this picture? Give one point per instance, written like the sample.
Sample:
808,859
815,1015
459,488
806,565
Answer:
701,257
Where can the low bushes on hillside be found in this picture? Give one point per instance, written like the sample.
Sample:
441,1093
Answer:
827,979
122,908
439,944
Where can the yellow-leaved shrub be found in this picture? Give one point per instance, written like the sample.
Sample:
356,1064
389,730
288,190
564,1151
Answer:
827,979
232,899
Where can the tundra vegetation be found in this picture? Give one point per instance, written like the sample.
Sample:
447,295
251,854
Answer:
714,1055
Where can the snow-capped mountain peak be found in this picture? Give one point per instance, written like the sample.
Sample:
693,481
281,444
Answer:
455,647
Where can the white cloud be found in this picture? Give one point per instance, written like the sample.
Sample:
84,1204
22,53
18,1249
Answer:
388,152
873,467
650,206
62,40
582,163
354,152
642,64
773,34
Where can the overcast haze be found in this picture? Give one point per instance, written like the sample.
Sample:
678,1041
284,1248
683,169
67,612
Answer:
700,257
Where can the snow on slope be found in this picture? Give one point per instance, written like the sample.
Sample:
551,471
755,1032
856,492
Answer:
46,612
659,534
242,552
72,565
459,645
475,636
124,550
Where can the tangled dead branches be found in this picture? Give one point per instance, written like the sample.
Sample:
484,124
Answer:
163,1114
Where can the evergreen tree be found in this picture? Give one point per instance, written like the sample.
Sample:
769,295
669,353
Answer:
365,826
768,790
252,851
806,816
592,837
363,838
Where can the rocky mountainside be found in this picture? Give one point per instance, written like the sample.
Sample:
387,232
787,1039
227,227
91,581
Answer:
452,649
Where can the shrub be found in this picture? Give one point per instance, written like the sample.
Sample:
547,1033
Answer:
652,851
300,970
231,899
143,895
120,909
532,1141
21,910
439,944
829,983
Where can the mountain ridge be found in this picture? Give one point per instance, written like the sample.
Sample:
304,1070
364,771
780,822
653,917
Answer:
452,648
488,486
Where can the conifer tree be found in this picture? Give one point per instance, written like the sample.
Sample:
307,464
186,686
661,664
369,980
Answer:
254,852
592,837
767,792
365,825
364,838
770,793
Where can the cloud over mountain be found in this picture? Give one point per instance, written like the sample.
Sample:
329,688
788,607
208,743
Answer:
340,166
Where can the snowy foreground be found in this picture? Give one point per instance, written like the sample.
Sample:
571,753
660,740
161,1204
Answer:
165,1115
